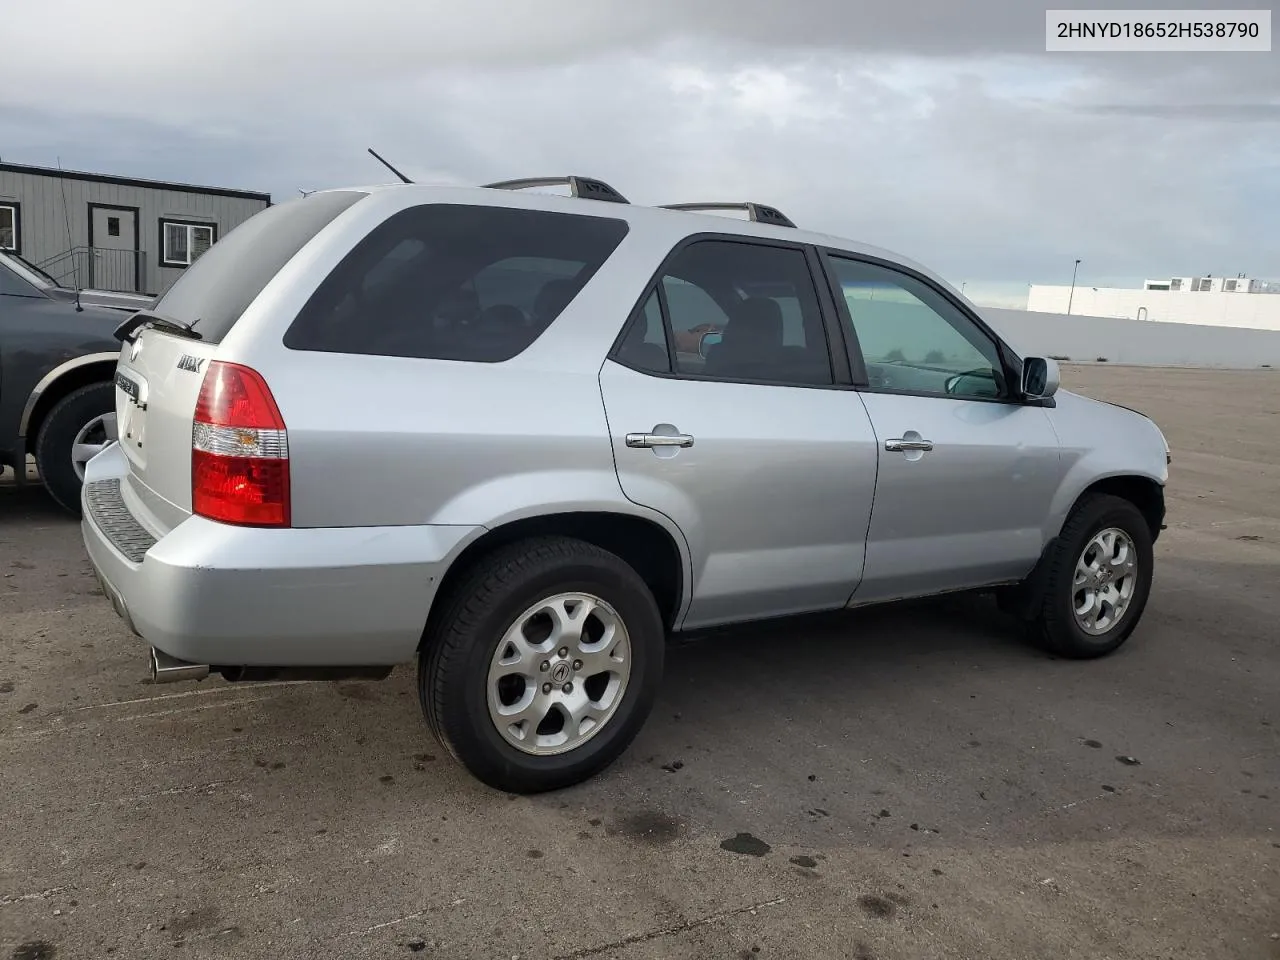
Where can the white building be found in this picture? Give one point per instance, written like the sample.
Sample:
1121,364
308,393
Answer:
1237,284
1212,301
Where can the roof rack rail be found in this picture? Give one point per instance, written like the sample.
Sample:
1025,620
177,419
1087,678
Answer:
586,187
759,212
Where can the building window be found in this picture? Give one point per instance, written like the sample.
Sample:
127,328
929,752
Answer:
1175,284
183,241
113,226
10,226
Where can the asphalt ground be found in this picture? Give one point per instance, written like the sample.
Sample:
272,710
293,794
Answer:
904,782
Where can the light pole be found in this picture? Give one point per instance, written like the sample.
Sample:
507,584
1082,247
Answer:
1071,296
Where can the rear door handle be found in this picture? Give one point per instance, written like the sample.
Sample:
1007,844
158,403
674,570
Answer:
900,445
659,440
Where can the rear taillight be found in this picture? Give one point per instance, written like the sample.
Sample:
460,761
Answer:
239,450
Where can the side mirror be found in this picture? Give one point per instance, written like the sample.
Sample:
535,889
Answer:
1040,378
708,340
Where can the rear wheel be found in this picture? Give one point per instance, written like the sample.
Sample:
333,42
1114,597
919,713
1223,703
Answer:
543,665
1098,580
78,427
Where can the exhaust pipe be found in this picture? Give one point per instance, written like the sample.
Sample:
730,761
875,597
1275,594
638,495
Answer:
167,669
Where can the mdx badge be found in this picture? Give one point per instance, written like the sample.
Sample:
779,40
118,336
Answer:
190,364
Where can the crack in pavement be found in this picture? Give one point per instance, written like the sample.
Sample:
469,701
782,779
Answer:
667,931
9,900
184,694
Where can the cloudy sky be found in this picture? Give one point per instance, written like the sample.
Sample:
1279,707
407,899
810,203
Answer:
937,128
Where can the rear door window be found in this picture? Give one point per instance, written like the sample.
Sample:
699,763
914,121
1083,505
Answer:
759,303
455,282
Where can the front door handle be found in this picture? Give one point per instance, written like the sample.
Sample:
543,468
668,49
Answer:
659,440
898,446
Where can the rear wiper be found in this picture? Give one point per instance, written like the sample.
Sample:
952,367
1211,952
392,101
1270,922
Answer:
144,318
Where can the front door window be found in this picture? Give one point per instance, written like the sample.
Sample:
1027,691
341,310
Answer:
912,339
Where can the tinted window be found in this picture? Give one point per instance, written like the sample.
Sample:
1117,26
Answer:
762,303
452,282
12,285
213,292
912,338
645,345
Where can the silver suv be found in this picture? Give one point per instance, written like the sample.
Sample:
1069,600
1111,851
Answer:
523,438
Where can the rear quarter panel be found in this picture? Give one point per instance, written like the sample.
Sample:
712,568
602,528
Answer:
381,441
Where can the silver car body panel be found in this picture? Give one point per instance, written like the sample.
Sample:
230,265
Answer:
773,495
787,501
213,593
1098,441
969,512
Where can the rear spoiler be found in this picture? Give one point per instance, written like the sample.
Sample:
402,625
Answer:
126,332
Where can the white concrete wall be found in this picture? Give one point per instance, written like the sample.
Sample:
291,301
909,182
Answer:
1257,311
1135,341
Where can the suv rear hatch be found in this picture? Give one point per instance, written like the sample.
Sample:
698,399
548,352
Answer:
164,360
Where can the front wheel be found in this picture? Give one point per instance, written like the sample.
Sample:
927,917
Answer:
1098,581
543,665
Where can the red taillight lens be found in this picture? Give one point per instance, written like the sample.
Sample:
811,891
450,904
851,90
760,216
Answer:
236,396
239,450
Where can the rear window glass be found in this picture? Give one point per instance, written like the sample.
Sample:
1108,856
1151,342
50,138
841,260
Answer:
455,282
213,292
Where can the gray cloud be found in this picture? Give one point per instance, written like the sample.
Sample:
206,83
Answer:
939,129
1217,112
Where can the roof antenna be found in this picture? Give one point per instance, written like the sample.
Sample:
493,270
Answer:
306,193
66,217
389,166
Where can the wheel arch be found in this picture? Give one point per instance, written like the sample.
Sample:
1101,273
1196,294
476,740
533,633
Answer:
1144,492
648,546
57,383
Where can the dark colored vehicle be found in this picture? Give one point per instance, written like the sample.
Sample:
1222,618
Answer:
57,364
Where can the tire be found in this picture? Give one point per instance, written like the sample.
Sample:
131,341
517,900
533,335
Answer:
458,663
1055,625
58,435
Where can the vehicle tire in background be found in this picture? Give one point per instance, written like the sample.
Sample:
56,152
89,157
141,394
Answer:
1098,579
78,426
542,664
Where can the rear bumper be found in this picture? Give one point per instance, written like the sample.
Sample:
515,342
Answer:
230,596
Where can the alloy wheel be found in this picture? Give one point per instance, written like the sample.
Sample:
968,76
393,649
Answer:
94,437
559,674
1106,577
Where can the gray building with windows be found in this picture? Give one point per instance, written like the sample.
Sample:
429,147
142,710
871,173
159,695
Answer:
114,233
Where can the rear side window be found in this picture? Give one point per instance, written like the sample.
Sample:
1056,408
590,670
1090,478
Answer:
759,302
213,292
455,282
